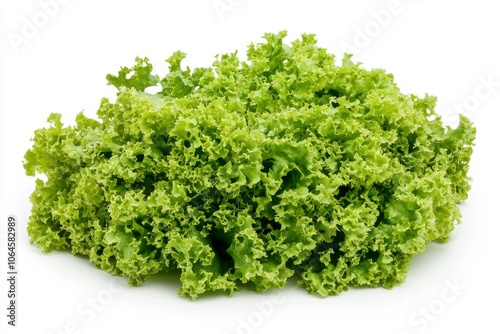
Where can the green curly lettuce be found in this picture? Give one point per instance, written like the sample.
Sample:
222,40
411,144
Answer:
251,172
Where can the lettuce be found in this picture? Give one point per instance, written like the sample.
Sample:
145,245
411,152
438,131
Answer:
247,173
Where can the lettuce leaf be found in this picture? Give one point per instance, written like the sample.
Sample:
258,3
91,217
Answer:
249,172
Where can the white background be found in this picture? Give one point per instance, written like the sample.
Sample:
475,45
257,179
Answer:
446,48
